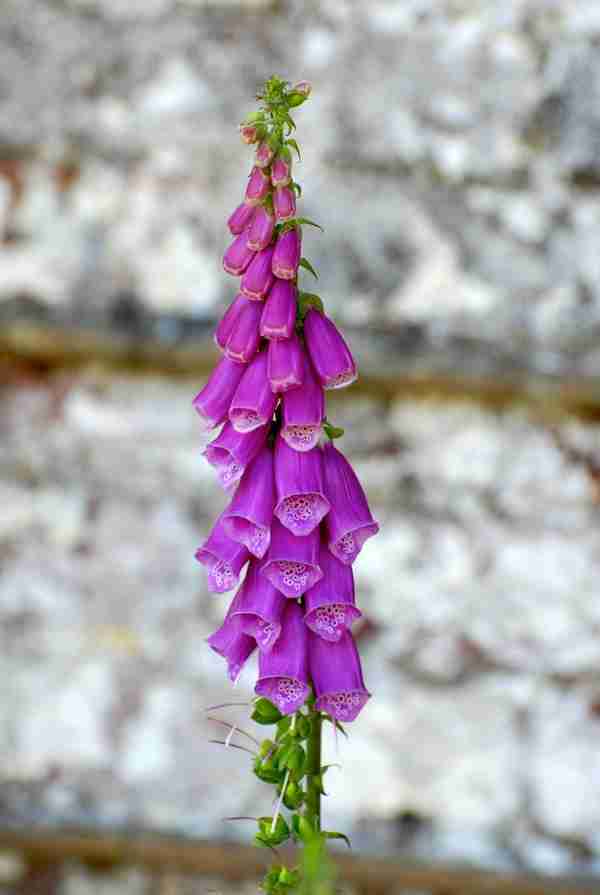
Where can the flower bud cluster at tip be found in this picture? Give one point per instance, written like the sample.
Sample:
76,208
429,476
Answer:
298,516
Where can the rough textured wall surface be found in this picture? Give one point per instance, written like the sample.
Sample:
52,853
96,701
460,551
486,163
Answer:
452,154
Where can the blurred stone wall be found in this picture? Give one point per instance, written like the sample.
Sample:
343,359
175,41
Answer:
451,152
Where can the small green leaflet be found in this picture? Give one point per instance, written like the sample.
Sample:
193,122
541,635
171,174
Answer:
310,223
305,263
338,836
295,146
332,432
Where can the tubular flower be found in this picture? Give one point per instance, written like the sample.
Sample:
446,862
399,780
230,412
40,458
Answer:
336,675
223,558
285,364
248,517
286,256
350,522
244,338
292,564
284,202
212,403
228,320
258,186
303,411
253,403
279,314
238,256
241,218
283,672
329,604
231,452
298,516
258,278
331,357
260,232
299,486
258,608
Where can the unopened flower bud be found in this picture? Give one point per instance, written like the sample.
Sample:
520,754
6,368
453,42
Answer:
264,155
258,187
284,202
281,169
249,133
286,257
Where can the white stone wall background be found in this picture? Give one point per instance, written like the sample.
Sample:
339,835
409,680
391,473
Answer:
481,650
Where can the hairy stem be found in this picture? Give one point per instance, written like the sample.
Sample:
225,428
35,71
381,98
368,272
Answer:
313,765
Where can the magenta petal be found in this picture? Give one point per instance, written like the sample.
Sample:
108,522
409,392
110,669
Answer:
258,608
279,314
235,646
259,186
249,516
286,366
258,278
244,338
283,672
231,452
336,675
241,218
264,155
329,353
238,256
284,203
223,559
350,522
281,169
303,411
212,403
292,563
299,485
330,603
260,233
229,319
253,403
286,257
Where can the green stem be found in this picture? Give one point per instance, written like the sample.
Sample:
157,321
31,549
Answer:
313,764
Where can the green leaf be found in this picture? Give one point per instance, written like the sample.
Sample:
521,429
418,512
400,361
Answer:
295,146
269,837
305,263
338,836
310,223
265,712
332,432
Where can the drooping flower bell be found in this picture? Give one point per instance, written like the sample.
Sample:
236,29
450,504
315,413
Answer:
231,452
244,337
249,516
258,277
299,486
258,608
286,256
223,558
233,645
258,187
212,403
329,353
241,218
283,672
285,364
238,256
292,563
253,403
284,203
330,602
279,314
336,675
228,320
303,412
260,232
250,133
349,523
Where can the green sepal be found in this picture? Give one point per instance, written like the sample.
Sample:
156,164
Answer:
302,828
336,724
305,263
297,188
296,758
291,124
270,881
294,145
293,796
288,878
296,99
265,712
308,300
254,118
269,839
338,836
303,727
332,432
267,771
275,141
283,726
310,223
266,747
